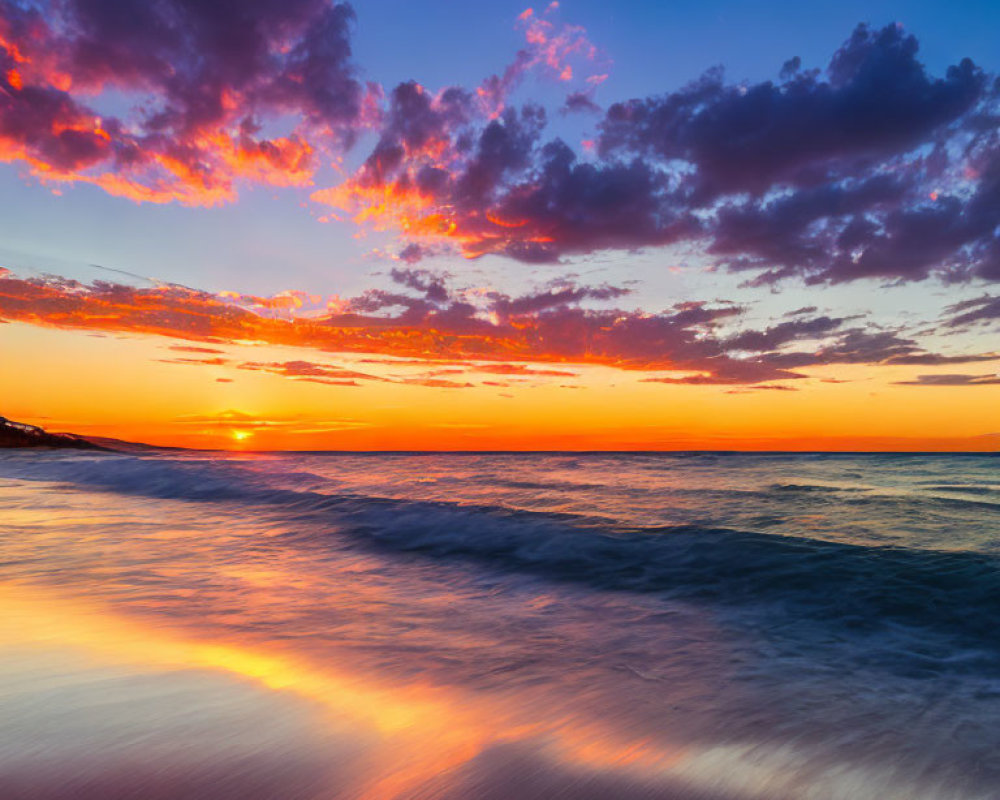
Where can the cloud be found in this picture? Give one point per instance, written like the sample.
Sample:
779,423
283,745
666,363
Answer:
229,416
580,102
437,383
775,387
209,362
560,295
332,375
521,369
724,372
430,285
204,79
552,48
435,326
415,362
499,189
851,346
952,380
184,348
234,420
310,372
874,101
983,310
871,168
937,359
304,369
785,332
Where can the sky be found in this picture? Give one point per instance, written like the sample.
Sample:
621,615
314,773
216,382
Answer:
298,224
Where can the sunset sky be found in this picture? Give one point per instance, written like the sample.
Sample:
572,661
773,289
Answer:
293,224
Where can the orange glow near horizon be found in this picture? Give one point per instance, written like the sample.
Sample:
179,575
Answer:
151,397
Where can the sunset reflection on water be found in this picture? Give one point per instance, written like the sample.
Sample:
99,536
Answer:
412,732
230,628
454,627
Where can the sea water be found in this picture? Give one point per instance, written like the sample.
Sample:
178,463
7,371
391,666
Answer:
635,625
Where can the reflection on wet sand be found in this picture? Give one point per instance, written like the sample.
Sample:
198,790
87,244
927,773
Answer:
412,734
109,707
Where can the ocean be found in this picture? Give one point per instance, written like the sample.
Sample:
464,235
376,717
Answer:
704,626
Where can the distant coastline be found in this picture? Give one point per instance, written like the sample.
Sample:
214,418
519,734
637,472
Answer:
21,435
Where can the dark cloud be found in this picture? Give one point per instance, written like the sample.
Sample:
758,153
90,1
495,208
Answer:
309,371
723,369
891,228
863,346
48,128
195,56
412,253
206,80
790,67
774,387
794,232
431,286
499,189
784,332
953,380
874,102
569,206
506,307
937,359
834,176
577,102
979,310
208,76
870,168
851,346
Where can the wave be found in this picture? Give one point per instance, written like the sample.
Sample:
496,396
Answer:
849,587
964,488
807,487
860,588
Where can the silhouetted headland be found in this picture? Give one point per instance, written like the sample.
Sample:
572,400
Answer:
20,434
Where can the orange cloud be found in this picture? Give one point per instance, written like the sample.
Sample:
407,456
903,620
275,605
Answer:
432,326
194,131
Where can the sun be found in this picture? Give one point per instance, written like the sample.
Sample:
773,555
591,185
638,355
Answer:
241,436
